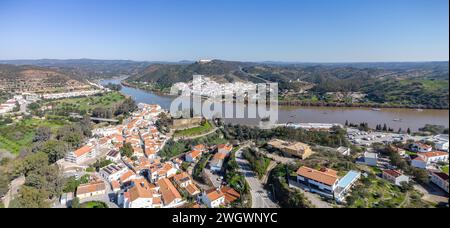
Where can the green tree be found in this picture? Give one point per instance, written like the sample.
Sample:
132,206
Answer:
75,203
43,133
54,149
127,150
29,197
48,179
4,183
71,184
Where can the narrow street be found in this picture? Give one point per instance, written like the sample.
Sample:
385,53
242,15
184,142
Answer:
260,196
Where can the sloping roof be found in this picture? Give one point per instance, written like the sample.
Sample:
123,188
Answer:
195,153
214,194
230,194
168,191
192,189
82,151
220,156
90,188
327,178
182,177
433,154
126,176
141,189
441,175
393,173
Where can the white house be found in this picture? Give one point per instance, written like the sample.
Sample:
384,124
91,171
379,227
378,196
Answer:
170,196
213,198
140,195
421,147
113,156
395,177
113,172
216,163
426,159
82,154
193,156
440,179
323,181
224,149
442,146
371,159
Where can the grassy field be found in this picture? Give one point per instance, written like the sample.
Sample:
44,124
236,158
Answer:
87,104
374,192
205,128
93,204
20,135
445,169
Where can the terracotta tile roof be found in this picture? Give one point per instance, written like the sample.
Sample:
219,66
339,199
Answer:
230,194
126,176
393,173
181,178
200,147
115,184
328,178
433,154
220,156
141,189
91,187
168,191
225,147
195,153
82,151
192,189
214,194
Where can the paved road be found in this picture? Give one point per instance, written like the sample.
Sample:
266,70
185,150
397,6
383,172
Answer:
260,197
313,198
432,193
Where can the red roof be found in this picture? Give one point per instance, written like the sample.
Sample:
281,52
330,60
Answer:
393,173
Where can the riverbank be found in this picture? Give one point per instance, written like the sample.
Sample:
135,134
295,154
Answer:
394,117
312,104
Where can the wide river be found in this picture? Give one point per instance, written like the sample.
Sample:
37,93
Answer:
394,118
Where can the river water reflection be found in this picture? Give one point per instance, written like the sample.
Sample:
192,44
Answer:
394,118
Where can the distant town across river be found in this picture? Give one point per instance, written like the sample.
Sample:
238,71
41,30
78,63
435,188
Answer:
395,118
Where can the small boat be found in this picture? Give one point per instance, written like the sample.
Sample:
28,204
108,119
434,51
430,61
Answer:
419,110
376,109
397,120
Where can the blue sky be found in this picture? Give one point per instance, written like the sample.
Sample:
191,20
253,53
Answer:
251,30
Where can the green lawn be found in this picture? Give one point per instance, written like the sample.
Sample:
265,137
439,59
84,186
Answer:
205,128
374,192
87,104
94,204
445,169
15,137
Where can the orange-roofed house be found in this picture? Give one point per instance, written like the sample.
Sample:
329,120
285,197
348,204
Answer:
213,198
81,155
91,190
224,149
231,195
323,181
115,186
421,147
140,195
201,147
170,195
217,162
426,159
128,176
194,156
